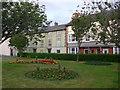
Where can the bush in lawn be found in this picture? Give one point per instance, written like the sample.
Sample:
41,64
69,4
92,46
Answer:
97,63
83,57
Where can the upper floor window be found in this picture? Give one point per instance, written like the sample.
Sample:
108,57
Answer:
49,34
58,42
72,38
88,38
41,43
58,33
49,42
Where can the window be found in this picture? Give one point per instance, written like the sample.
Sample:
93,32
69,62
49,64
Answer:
92,51
73,50
49,34
85,51
58,51
49,42
41,51
105,51
115,50
72,38
58,33
58,42
76,50
98,51
41,43
34,50
88,38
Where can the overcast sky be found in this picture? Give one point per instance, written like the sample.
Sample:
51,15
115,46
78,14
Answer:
61,10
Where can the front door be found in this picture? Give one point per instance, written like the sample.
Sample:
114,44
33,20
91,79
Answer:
11,52
49,50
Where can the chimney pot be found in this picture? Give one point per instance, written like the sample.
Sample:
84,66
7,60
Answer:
56,24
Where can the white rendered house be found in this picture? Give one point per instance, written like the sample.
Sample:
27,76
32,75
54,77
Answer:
5,49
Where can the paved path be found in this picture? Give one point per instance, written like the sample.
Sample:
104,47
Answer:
3,56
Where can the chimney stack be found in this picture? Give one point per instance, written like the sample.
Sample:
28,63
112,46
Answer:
75,15
56,24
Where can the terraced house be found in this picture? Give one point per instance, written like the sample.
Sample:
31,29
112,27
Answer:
89,45
60,39
53,42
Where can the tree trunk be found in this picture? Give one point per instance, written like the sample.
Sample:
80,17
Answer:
78,50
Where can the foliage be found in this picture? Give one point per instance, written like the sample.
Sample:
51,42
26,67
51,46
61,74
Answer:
108,75
38,61
83,57
20,42
81,26
25,18
108,17
97,63
51,74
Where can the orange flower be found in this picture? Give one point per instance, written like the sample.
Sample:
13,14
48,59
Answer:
46,76
53,75
39,76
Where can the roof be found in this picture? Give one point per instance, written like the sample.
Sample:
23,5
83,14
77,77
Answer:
56,28
91,44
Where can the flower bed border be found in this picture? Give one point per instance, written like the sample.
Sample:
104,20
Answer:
33,62
48,74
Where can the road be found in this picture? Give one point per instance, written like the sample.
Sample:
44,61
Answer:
3,56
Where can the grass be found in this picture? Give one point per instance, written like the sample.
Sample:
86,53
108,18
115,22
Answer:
90,76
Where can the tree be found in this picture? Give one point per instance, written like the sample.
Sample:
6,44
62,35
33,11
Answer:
81,25
108,17
19,42
23,18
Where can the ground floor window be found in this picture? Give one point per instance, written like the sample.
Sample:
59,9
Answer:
92,51
98,51
105,51
58,51
72,50
85,51
34,50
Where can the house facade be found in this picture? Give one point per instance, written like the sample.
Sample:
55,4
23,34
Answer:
53,42
6,50
88,45
60,39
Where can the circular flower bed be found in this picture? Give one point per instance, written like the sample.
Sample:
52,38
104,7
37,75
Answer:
52,74
37,61
98,63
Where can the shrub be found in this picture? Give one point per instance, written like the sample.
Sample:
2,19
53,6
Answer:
83,57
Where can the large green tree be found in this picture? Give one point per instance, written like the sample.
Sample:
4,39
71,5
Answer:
81,25
108,17
23,18
19,42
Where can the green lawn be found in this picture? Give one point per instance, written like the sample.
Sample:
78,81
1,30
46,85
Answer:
90,76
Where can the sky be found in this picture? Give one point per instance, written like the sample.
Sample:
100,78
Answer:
61,11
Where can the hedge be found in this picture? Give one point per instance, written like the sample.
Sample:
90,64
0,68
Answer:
82,57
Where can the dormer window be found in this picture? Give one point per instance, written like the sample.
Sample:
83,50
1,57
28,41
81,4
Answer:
88,38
